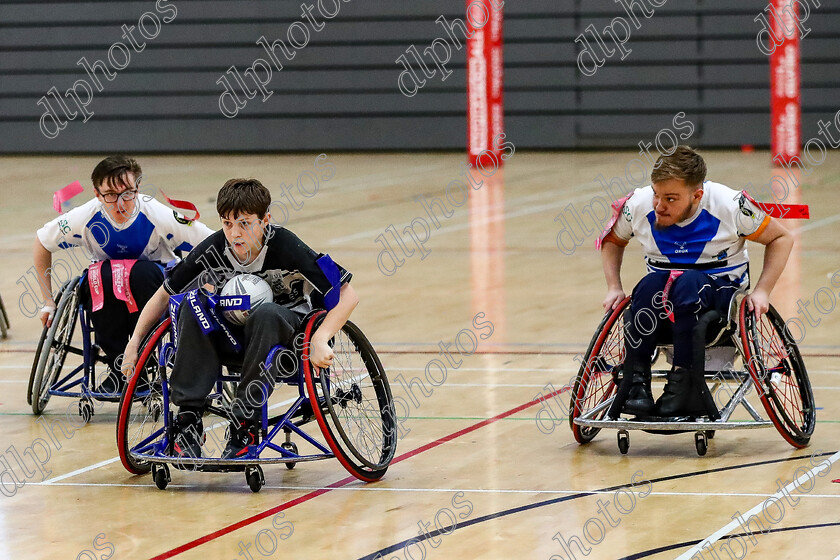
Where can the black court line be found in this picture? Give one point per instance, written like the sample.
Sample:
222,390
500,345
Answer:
666,548
448,530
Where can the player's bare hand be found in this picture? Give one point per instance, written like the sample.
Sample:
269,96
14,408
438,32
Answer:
47,313
320,353
129,359
614,297
758,302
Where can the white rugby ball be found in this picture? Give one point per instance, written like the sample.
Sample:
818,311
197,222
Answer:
242,285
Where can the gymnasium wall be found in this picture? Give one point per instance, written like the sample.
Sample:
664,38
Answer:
340,91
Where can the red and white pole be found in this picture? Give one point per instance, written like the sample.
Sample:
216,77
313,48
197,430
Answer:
485,82
785,99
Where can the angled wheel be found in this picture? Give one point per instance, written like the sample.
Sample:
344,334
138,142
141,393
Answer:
53,348
595,382
141,422
352,403
776,366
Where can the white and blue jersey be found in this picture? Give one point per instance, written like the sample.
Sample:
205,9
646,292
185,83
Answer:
712,240
154,233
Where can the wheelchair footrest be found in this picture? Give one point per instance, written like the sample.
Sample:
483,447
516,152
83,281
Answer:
671,424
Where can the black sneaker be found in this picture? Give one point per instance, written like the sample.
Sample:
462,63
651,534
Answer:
114,383
679,398
639,399
242,435
188,433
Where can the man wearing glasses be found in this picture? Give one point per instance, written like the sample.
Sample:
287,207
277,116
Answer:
128,238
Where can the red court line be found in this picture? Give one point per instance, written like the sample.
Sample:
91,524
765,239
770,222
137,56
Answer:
315,493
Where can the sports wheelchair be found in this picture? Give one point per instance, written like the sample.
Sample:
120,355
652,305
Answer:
351,402
733,353
51,373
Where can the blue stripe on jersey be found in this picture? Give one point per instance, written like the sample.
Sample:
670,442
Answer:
684,244
65,245
128,243
184,247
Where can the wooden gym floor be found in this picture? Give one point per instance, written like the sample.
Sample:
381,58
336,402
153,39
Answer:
471,453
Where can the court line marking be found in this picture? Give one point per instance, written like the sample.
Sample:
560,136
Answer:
428,490
714,537
551,501
343,482
666,548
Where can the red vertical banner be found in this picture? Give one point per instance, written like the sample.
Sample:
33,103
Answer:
485,80
785,99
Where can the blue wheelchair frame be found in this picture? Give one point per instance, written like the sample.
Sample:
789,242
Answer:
63,384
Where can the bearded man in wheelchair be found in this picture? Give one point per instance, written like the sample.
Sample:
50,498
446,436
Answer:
693,233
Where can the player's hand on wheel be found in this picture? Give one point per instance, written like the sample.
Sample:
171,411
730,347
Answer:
758,302
129,359
46,314
320,353
614,297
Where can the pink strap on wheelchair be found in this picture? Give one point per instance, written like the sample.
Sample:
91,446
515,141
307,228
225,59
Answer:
616,206
671,277
95,283
64,194
121,272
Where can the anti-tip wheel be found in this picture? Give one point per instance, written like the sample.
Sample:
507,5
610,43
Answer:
701,443
255,477
623,441
290,446
85,410
161,476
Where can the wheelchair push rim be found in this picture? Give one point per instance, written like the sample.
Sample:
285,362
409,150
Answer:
352,403
53,348
776,367
594,388
148,406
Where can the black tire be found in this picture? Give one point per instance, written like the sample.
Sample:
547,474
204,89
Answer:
290,446
52,351
700,443
775,364
352,403
623,442
255,478
141,414
161,477
595,380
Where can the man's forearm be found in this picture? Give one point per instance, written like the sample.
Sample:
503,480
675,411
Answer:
338,315
611,258
776,254
152,311
43,261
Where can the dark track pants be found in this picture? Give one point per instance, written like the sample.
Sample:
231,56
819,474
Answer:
199,358
691,294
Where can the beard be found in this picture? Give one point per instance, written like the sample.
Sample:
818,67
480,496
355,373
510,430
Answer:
685,215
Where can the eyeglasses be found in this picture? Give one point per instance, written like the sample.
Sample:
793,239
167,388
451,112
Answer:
113,197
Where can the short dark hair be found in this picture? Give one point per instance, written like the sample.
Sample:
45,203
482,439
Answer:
115,170
243,196
683,163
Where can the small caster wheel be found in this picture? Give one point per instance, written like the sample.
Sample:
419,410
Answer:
701,443
161,475
85,411
710,434
623,441
290,446
255,477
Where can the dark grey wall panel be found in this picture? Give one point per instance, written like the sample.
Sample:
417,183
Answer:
340,92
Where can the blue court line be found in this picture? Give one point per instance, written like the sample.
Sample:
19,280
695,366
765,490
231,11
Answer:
666,548
448,530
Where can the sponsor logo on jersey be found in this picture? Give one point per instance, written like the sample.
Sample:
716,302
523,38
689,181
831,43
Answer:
181,219
681,247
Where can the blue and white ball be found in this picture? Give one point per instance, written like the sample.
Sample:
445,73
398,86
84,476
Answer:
242,285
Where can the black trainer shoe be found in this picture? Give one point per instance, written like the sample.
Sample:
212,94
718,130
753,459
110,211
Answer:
679,398
188,435
640,398
242,435
114,383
